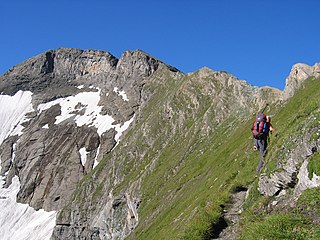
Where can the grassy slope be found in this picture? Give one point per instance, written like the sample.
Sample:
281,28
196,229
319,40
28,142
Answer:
187,164
187,203
298,117
194,173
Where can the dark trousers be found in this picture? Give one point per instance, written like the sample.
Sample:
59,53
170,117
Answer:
261,144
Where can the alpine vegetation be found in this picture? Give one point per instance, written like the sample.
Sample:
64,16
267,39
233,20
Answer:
95,147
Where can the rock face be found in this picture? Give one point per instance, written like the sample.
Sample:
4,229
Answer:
294,174
66,85
299,73
66,110
61,112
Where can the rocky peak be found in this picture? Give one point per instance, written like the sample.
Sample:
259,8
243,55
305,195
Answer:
57,69
204,72
65,61
72,83
299,73
76,62
67,67
137,63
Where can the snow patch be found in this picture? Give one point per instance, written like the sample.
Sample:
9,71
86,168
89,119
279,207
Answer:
13,110
46,126
83,154
87,103
95,159
13,152
12,113
120,129
80,87
121,94
95,164
84,109
20,221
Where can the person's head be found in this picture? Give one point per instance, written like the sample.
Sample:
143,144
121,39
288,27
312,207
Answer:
268,119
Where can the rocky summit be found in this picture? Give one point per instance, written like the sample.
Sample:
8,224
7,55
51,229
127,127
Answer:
95,147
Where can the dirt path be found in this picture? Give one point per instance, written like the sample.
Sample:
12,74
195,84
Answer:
232,215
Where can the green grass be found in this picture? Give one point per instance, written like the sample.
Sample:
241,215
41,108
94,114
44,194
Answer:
314,165
292,121
301,223
298,118
201,183
280,226
206,172
187,165
309,203
195,173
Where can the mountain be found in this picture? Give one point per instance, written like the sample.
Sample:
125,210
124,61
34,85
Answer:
107,148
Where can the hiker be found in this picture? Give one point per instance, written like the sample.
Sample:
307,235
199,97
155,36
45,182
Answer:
260,131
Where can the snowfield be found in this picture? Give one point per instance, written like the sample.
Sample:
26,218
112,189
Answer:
20,221
12,113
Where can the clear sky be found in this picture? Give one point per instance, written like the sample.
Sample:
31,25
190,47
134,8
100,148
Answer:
255,40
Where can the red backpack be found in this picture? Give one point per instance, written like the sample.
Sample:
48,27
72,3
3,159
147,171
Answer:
259,126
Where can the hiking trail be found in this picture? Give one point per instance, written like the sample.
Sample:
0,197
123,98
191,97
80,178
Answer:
232,214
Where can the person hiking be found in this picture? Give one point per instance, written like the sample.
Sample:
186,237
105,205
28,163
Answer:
260,131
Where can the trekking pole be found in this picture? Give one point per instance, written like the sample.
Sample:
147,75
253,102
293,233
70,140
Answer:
265,107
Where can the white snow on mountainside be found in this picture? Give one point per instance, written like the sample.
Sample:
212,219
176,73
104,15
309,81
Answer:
12,113
20,221
121,94
83,154
87,102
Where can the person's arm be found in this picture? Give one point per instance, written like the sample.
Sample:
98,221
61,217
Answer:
272,129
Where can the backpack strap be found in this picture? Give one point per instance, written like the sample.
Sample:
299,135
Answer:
265,127
257,126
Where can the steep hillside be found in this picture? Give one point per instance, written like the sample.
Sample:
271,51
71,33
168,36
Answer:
175,173
133,148
179,145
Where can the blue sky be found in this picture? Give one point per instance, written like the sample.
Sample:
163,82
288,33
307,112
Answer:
257,40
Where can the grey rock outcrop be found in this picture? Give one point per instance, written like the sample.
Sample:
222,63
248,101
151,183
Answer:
288,177
299,73
292,173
